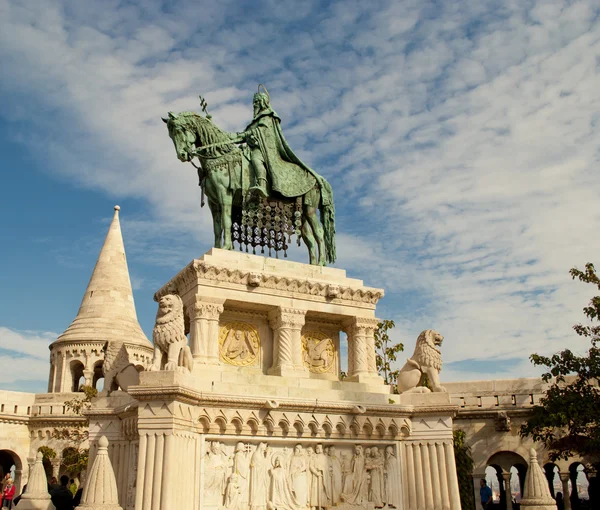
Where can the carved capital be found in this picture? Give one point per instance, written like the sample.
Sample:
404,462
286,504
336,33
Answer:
205,310
287,318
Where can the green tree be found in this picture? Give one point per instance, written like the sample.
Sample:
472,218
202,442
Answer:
385,352
464,470
74,458
47,455
567,419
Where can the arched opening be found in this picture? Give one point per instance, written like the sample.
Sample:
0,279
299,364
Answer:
98,379
552,475
505,475
77,378
578,486
11,463
343,361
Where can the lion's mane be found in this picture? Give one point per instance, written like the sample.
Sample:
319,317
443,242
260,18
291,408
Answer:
170,325
426,353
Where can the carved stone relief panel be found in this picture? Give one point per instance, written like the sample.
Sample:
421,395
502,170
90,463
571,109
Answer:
239,344
318,352
292,475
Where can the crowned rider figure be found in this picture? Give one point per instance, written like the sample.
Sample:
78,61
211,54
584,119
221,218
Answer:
275,166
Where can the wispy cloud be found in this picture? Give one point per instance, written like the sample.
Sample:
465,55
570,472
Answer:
460,138
24,356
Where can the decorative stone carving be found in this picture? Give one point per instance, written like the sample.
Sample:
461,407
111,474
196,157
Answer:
169,337
502,422
318,352
426,359
392,473
36,497
204,330
536,493
216,465
361,349
199,269
333,291
100,491
259,464
239,344
254,279
119,372
280,494
287,346
315,476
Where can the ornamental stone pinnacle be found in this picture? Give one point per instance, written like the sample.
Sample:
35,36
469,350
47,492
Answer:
107,310
536,494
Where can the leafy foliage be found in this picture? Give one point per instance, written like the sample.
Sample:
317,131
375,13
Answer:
464,470
567,419
75,460
385,352
47,452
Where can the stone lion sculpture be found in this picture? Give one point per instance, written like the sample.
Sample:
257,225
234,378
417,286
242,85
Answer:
171,351
427,359
118,371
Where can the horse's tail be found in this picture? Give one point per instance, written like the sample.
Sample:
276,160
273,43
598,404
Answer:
328,220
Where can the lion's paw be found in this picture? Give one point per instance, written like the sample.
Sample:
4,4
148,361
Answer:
153,368
171,366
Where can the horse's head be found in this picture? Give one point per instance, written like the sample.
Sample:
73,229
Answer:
182,133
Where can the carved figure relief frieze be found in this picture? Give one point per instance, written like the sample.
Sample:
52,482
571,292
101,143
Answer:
239,344
318,352
300,476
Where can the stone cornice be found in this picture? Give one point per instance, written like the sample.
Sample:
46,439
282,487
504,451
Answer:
196,270
198,398
49,420
14,419
491,414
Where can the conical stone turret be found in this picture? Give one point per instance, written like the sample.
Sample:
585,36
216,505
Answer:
36,496
537,493
100,491
107,313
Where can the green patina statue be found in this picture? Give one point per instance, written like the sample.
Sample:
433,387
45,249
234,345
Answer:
258,190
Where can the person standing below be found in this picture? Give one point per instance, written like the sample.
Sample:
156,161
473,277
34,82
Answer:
8,494
73,487
62,498
485,494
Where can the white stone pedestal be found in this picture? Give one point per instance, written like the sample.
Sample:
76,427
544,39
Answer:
265,420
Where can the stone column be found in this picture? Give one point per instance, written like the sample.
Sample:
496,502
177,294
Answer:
56,467
204,330
287,342
507,489
574,494
549,472
361,350
564,479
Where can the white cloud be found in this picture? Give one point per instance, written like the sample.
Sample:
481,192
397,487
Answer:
461,140
24,356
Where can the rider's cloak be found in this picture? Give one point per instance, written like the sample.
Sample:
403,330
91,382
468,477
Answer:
289,175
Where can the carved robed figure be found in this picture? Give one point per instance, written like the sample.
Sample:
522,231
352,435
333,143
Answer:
262,168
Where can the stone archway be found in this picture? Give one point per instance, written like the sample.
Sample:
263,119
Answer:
510,468
11,463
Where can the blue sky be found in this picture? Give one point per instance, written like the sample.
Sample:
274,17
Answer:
461,139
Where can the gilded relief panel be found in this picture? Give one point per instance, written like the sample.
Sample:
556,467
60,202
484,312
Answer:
318,352
239,344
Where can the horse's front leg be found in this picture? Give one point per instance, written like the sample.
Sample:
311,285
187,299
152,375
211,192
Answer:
226,200
217,227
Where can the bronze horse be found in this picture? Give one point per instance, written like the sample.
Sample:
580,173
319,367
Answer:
225,176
